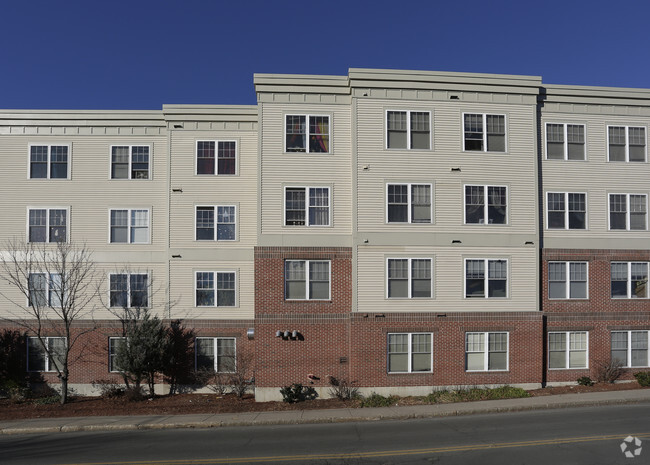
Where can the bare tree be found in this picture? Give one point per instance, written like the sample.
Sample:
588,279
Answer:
51,286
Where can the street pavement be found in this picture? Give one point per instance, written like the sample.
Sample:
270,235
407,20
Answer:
125,422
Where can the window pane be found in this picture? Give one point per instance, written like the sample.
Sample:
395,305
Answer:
398,278
205,157
226,355
295,207
36,359
639,280
496,205
139,226
397,203
226,161
205,353
204,289
319,206
119,225
616,143
496,133
396,123
474,205
473,132
497,361
225,289
57,226
58,162
118,290
296,133
637,144
319,134
474,278
295,279
37,283
475,361
120,163
226,223
139,290
38,162
140,163
638,212
37,225
420,130
421,204
577,211
576,142
204,223
319,280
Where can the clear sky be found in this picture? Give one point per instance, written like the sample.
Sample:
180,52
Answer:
141,54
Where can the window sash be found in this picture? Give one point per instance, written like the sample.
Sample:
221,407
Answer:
218,354
408,130
215,289
631,348
568,350
490,356
567,280
48,161
47,225
307,133
408,203
486,204
129,290
113,346
307,279
215,223
307,206
628,212
216,157
410,278
130,162
479,284
629,280
626,144
39,360
566,210
484,132
129,226
565,141
409,353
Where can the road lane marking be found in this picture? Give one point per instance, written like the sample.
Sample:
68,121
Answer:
386,453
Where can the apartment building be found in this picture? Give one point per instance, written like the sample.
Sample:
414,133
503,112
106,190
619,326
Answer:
399,229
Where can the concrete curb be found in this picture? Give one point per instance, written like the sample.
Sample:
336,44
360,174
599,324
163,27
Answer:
316,416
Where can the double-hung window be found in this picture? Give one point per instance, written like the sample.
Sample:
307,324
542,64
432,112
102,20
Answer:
47,224
567,349
408,130
215,354
130,162
129,226
216,157
565,141
408,203
307,206
566,210
409,278
129,290
630,348
486,205
48,161
215,288
225,223
629,280
39,359
46,290
628,212
626,143
486,351
307,133
114,344
567,280
409,353
307,279
486,278
484,133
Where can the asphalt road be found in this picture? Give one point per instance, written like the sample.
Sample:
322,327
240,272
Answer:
573,436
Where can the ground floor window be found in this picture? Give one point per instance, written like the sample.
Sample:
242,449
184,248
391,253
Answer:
409,352
39,359
215,353
630,348
568,349
114,344
486,351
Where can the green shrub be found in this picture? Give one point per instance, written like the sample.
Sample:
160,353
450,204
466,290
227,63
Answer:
14,390
472,394
297,393
48,400
585,381
643,377
377,400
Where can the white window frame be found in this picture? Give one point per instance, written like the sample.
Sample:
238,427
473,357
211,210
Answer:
567,281
130,168
216,354
216,223
112,353
486,279
566,140
486,351
484,129
307,280
410,352
307,133
129,224
409,206
48,289
629,279
568,350
486,205
307,207
128,288
47,224
408,128
627,211
566,211
410,277
215,290
48,368
629,346
49,160
627,142
216,157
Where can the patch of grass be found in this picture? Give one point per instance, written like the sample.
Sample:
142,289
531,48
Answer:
377,400
468,395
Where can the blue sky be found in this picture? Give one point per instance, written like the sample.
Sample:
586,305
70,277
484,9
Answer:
141,54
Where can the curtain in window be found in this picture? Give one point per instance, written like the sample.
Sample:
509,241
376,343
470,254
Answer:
557,280
421,204
575,141
497,278
319,206
420,130
37,283
577,280
557,350
638,212
639,348
498,351
319,134
578,350
639,280
139,226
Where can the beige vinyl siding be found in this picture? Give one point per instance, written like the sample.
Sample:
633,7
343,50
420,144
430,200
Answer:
514,169
448,279
183,289
281,169
239,190
89,193
597,178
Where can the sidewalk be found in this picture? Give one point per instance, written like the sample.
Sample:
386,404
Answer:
54,425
